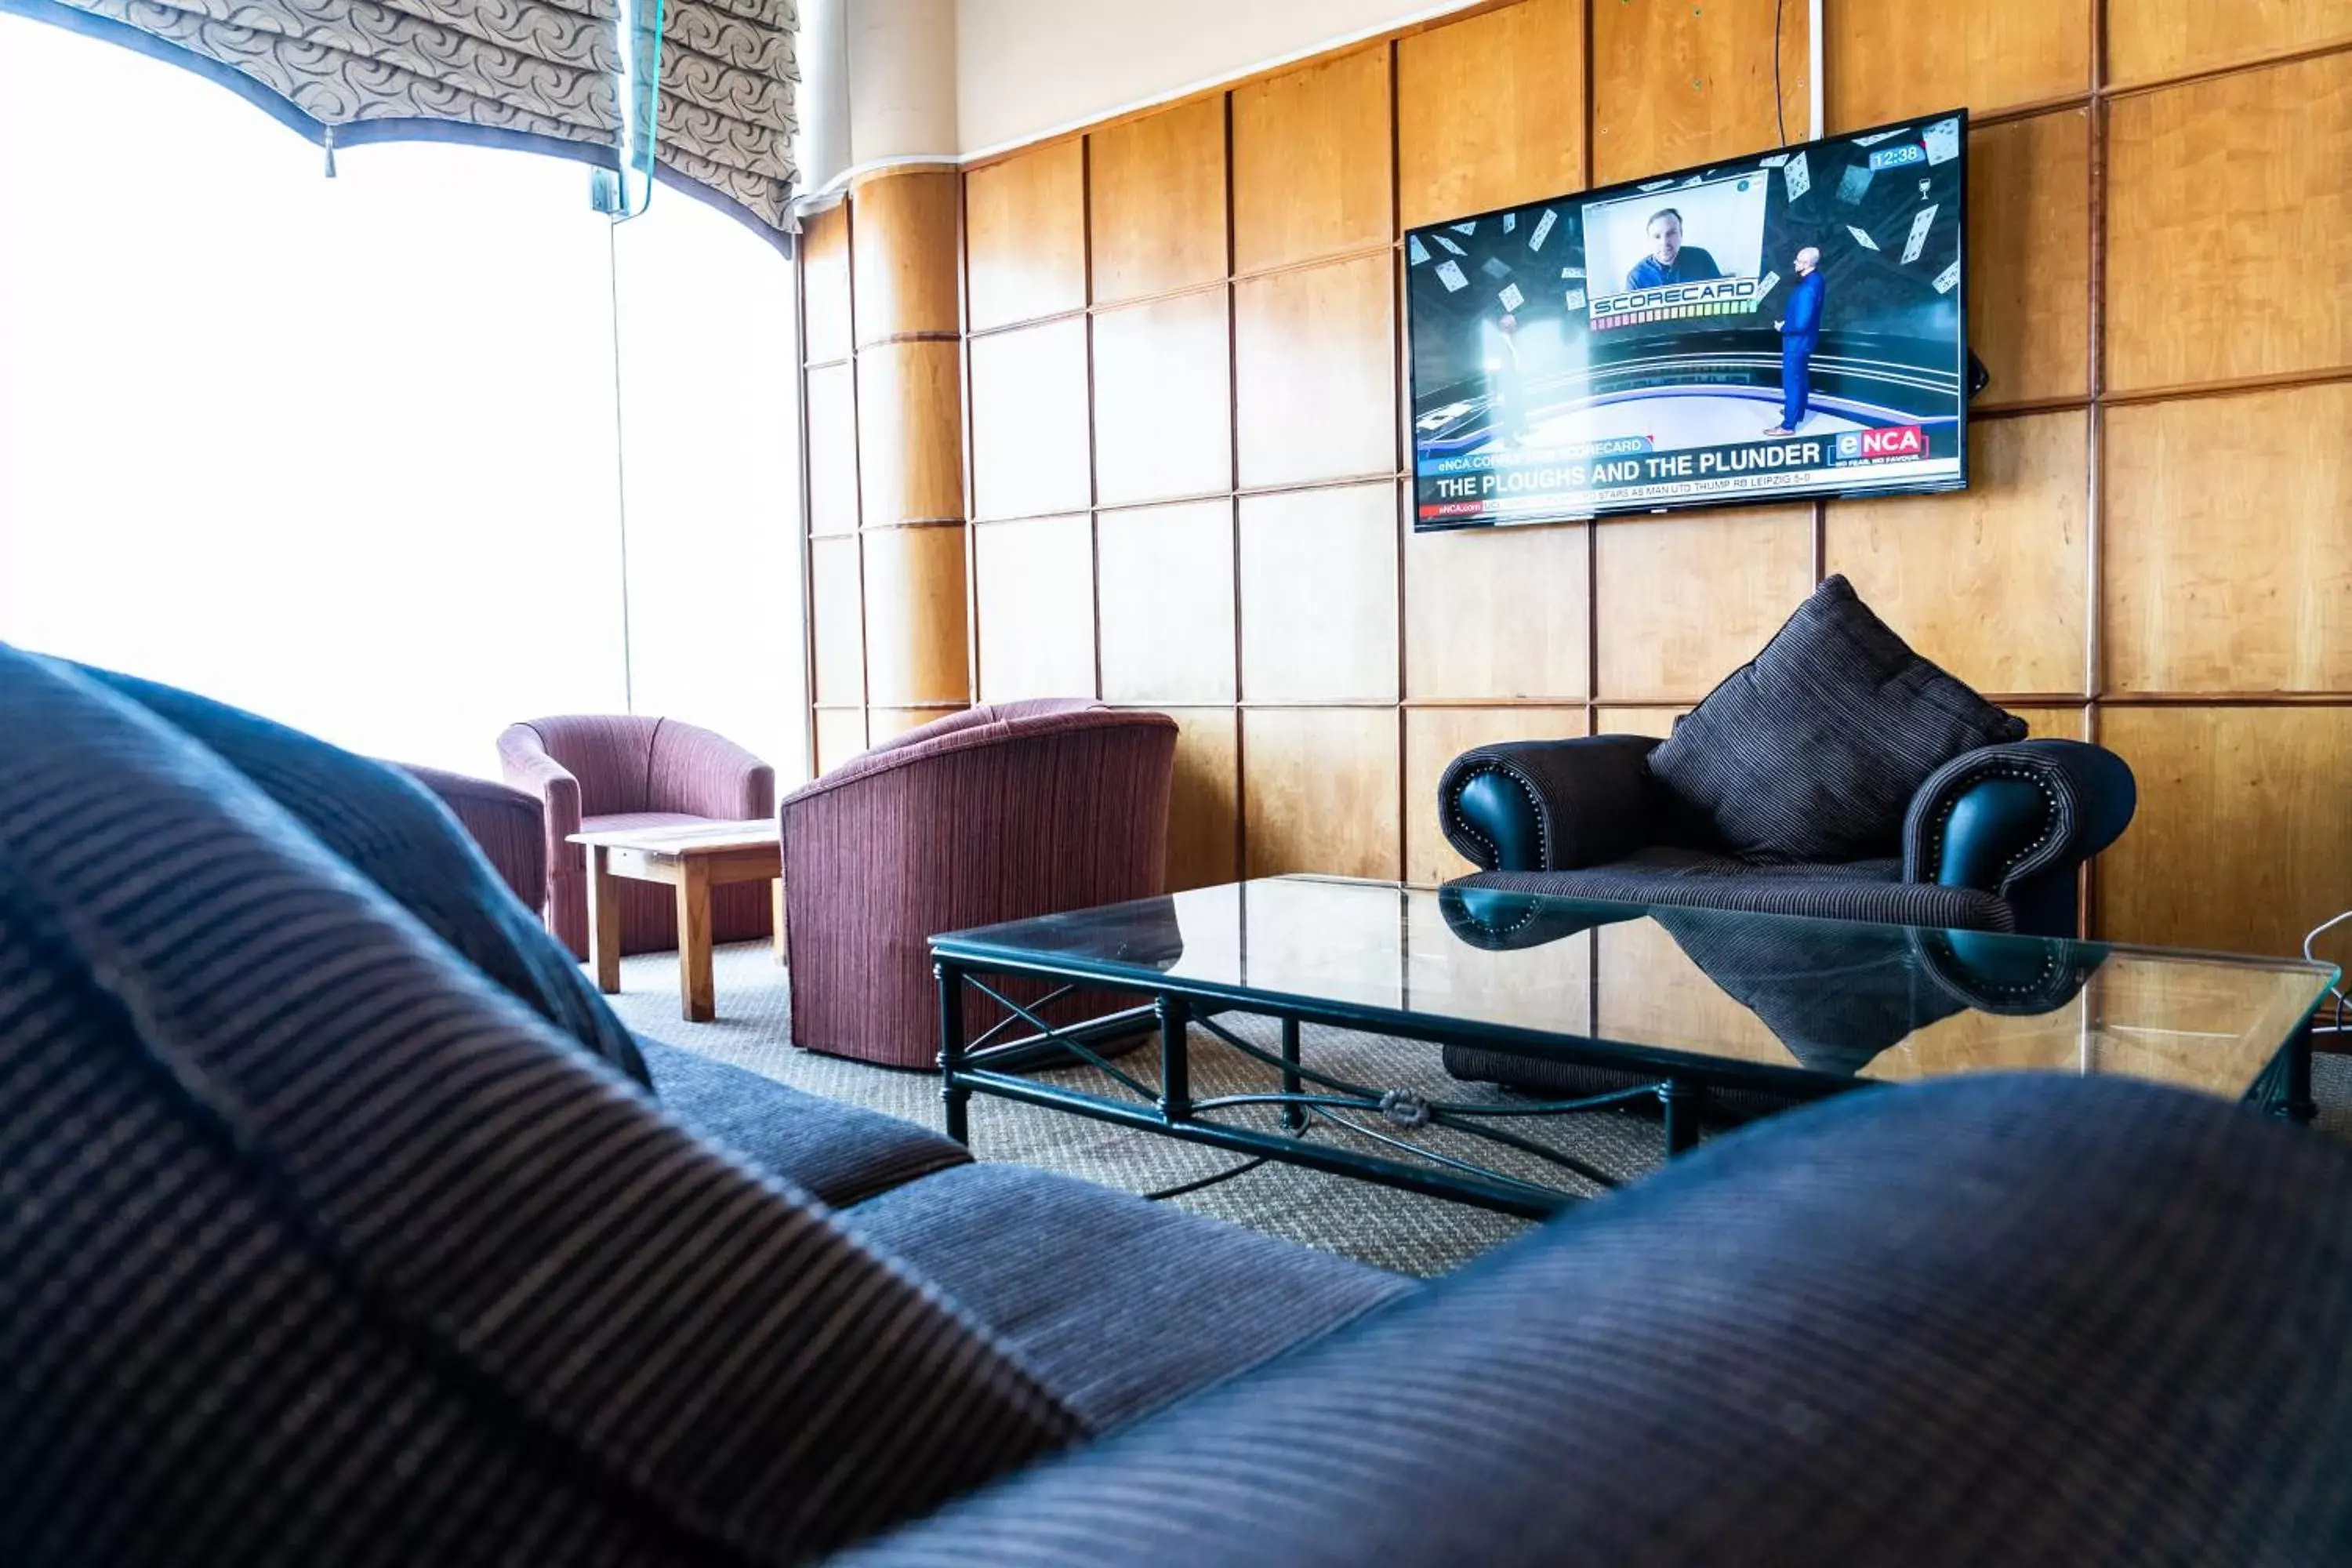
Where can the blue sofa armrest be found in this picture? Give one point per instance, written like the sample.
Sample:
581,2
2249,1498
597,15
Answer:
2018,820
1549,806
1947,1323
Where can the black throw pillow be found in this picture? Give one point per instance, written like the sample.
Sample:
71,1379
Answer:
1812,749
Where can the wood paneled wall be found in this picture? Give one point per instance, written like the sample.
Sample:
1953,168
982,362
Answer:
1186,430
882,298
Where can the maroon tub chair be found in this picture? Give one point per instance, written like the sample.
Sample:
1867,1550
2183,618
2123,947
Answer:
994,813
608,771
509,825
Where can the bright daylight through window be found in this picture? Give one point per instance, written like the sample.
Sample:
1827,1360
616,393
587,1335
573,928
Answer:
369,454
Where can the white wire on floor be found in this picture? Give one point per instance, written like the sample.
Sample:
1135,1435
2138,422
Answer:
2342,1005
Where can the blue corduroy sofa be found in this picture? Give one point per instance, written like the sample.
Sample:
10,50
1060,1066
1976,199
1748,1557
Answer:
340,1222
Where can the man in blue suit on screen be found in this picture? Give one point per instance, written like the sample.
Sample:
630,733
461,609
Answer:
1670,260
1801,334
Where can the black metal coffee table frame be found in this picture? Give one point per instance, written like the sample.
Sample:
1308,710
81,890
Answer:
993,1066
988,1066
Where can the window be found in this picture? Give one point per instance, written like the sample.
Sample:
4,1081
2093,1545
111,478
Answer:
355,453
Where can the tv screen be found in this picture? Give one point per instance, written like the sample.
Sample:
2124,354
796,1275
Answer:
1784,325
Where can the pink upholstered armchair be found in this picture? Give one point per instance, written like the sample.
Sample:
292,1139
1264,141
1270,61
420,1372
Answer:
607,771
509,825
994,814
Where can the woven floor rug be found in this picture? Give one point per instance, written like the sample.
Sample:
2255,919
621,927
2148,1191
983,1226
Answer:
1389,1229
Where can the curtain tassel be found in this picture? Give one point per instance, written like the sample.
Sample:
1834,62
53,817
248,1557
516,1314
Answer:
331,151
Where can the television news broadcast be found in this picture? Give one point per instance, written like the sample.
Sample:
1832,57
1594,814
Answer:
1785,325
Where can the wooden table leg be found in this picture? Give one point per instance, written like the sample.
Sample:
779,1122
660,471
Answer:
603,919
697,1002
776,895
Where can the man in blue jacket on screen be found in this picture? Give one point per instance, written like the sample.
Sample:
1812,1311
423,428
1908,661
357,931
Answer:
1801,334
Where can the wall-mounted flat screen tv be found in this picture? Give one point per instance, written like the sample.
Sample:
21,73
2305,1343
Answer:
1784,325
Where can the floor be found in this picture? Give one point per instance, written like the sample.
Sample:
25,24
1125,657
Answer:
1393,1230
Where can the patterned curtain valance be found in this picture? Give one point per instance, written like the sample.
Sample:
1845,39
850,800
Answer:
519,72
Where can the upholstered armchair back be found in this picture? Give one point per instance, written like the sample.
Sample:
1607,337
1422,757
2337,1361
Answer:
610,754
995,813
582,766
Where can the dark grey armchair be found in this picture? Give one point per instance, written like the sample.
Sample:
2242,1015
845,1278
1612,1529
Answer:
1836,774
1992,840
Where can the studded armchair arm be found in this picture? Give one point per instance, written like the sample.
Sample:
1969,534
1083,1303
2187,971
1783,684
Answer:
2017,820
1549,806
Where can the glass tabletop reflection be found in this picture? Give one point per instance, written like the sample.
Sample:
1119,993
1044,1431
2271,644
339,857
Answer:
1834,998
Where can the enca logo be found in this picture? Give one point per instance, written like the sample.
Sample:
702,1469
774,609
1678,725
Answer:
1895,441
1895,157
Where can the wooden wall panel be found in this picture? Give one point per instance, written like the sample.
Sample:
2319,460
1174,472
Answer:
2229,215
1166,593
1316,372
890,723
1434,737
2241,842
1318,595
2053,723
1892,57
1497,612
1675,83
1025,240
837,618
916,650
1319,790
904,254
2229,548
1030,437
1658,721
2148,40
824,271
1164,400
1034,587
910,431
2030,256
1681,602
1490,111
1204,799
2222,534
1992,582
831,396
1157,207
840,735
1311,174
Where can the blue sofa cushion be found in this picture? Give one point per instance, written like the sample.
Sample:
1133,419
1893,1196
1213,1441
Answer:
840,1152
317,1247
389,830
2010,1319
1812,749
1120,1305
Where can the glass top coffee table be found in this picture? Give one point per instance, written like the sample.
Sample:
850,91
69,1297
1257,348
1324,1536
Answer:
1692,1012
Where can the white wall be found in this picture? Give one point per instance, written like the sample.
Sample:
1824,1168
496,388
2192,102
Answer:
1025,67
877,85
902,79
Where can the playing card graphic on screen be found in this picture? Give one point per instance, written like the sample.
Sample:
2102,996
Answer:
1788,324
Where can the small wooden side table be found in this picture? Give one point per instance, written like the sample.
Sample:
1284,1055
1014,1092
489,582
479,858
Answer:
693,860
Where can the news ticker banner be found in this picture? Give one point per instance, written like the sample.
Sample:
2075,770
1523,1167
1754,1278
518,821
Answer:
1614,474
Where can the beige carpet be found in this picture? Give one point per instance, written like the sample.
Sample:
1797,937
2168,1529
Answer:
1375,1224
